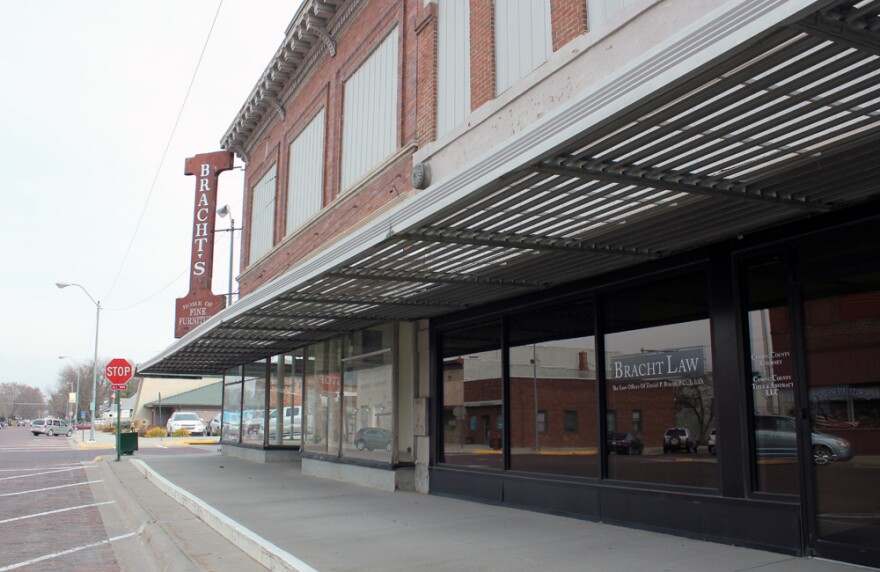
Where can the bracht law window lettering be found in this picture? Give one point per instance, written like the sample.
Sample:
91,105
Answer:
659,371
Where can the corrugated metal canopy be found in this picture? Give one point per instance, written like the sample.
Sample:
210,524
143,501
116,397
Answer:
784,127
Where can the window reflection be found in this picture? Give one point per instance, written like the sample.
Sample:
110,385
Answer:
284,424
553,423
321,363
230,429
253,415
368,400
473,427
659,383
771,378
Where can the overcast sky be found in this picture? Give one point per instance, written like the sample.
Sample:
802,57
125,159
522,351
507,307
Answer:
90,92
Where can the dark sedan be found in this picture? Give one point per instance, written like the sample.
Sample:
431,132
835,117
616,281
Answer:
372,438
625,444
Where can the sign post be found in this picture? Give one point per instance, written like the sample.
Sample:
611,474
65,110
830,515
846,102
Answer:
118,372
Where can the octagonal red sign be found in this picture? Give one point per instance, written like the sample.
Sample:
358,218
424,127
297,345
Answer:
118,371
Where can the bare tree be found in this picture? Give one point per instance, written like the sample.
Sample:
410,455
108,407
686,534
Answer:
697,400
20,400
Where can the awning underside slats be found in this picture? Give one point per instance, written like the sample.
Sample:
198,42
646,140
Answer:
786,128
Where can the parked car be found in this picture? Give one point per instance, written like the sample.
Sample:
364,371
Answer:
679,439
231,426
291,424
214,425
712,441
625,444
51,427
84,425
188,420
372,438
776,438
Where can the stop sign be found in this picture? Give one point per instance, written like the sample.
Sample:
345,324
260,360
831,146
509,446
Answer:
118,372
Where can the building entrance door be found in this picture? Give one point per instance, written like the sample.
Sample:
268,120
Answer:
841,339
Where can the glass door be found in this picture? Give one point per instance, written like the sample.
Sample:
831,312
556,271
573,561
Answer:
841,337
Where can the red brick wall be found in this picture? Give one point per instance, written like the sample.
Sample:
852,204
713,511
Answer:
482,52
426,78
569,19
325,88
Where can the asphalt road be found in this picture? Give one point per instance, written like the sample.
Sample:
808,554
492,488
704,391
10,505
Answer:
66,508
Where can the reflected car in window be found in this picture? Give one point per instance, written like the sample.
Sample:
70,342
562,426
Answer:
625,444
679,439
372,438
776,438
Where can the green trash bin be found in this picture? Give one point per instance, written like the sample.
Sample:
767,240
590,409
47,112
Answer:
128,443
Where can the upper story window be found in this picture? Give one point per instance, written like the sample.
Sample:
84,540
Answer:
306,173
453,64
598,11
523,39
369,131
263,215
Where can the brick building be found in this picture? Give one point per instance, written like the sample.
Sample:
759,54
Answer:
480,236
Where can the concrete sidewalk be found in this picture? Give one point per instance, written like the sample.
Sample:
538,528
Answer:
288,521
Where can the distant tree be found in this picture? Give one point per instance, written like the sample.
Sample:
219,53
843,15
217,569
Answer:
20,400
67,380
698,401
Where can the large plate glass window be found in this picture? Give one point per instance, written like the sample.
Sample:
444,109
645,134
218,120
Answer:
472,418
253,416
771,377
553,405
658,362
841,317
323,381
284,423
230,427
368,399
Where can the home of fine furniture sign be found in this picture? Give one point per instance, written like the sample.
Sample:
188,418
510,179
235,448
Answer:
201,303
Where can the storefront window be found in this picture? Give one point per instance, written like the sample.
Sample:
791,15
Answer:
285,401
472,421
368,401
253,416
842,336
771,379
553,407
658,362
230,431
323,380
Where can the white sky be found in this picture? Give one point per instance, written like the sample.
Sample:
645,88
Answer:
89,94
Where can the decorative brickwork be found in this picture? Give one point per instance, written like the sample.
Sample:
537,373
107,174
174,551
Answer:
426,77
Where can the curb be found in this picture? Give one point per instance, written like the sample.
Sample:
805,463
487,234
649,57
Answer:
255,546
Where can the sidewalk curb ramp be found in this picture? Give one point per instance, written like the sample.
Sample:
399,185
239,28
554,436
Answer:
255,546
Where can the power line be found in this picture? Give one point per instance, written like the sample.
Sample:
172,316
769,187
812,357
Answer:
164,154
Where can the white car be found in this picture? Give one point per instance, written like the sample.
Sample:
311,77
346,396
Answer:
188,420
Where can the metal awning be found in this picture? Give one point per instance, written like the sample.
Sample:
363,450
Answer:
730,127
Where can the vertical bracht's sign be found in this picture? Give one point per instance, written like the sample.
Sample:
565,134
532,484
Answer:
201,303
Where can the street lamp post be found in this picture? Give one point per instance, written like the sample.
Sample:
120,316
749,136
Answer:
95,364
222,212
76,399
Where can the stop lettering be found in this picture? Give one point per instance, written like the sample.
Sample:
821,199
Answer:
118,371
